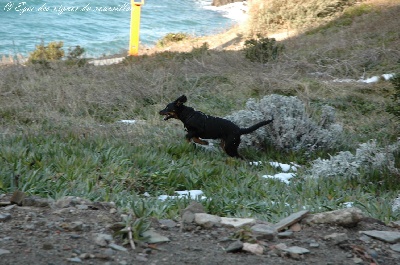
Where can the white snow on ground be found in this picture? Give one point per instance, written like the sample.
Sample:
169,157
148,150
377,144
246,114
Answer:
370,80
128,121
192,194
284,177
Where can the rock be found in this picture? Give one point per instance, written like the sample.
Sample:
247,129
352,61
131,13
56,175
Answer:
35,201
237,222
234,246
76,226
103,239
167,223
296,227
263,232
4,251
17,197
395,247
117,247
291,219
297,250
5,217
207,220
386,236
337,238
47,246
286,234
194,207
348,217
154,237
75,260
314,245
253,248
188,215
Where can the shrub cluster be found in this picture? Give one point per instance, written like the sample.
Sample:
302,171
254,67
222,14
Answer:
394,107
262,49
371,165
293,127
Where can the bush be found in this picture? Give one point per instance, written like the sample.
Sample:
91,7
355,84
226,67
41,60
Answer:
394,108
53,51
376,165
172,37
262,49
292,129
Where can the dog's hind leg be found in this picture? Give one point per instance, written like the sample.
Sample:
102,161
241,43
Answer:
231,146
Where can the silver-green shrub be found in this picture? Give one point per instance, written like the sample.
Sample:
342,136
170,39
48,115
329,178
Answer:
293,127
369,156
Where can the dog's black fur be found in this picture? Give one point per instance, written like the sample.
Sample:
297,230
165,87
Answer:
200,125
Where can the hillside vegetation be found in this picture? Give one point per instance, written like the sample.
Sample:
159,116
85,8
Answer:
61,132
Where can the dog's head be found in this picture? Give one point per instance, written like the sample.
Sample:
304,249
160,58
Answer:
173,108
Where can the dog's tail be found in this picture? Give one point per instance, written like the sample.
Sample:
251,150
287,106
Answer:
255,127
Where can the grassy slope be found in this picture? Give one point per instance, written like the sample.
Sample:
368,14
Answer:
60,136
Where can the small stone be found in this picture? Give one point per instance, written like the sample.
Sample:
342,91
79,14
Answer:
207,220
291,219
113,211
76,226
386,236
296,227
4,251
337,238
253,248
47,246
395,247
102,239
167,223
314,245
154,237
5,217
237,222
75,260
297,250
357,260
82,207
117,247
84,256
286,234
108,252
234,246
263,232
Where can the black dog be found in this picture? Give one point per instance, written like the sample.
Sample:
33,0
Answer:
200,125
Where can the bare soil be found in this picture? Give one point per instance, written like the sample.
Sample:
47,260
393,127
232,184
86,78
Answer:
66,233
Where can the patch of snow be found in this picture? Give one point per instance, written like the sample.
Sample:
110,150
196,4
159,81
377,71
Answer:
373,79
370,80
255,163
284,177
348,204
193,194
128,121
284,167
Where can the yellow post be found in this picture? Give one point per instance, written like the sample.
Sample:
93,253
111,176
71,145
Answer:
135,26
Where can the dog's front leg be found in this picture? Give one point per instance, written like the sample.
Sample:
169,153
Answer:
190,136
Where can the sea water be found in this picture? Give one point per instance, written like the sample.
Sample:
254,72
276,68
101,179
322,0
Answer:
102,27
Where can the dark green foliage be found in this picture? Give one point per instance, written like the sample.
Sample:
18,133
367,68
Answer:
171,38
42,54
262,49
74,56
394,107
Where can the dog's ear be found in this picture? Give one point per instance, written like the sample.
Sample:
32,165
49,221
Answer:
179,101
